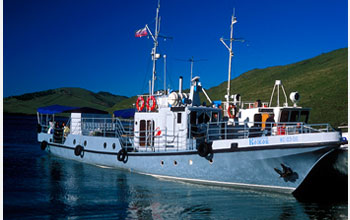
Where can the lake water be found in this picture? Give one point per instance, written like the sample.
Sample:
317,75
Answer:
40,186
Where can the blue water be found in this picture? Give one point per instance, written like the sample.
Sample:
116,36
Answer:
40,186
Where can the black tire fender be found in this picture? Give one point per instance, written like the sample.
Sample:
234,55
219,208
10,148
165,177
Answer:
43,145
204,149
122,154
78,151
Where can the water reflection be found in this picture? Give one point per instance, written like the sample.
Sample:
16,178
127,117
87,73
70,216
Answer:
82,190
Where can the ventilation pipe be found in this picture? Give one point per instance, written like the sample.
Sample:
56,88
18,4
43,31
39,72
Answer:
180,85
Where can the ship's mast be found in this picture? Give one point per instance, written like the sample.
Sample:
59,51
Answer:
233,21
154,54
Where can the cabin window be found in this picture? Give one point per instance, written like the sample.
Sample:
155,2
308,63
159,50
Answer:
193,117
206,117
179,118
257,120
284,116
142,133
201,118
304,116
294,116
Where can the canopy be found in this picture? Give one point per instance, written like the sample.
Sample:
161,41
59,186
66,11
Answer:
125,113
54,109
87,110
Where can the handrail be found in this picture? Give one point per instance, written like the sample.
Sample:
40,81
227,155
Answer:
185,139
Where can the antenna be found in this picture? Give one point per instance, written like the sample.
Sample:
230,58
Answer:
192,60
233,21
154,54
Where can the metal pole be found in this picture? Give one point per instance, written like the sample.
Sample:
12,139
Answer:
230,61
154,50
191,71
164,56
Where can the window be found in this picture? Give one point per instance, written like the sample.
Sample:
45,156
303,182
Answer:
304,116
179,118
294,116
193,117
142,133
284,116
215,117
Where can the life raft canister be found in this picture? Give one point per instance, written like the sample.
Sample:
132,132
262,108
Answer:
140,99
229,111
153,106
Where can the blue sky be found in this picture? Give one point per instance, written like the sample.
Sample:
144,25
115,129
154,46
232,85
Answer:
91,44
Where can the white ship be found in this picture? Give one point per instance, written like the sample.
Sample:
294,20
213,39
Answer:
175,136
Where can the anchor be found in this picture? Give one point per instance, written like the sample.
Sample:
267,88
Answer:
287,173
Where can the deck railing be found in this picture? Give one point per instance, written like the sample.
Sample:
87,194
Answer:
155,140
230,130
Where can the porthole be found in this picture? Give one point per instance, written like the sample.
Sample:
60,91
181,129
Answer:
211,161
113,146
175,162
161,162
190,162
85,143
74,142
105,145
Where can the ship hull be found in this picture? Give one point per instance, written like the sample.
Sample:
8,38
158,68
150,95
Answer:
272,168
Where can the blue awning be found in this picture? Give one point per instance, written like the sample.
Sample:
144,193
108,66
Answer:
125,113
54,109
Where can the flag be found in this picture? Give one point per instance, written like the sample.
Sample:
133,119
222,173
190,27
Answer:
141,33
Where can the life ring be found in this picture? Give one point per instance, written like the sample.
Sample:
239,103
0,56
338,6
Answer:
140,99
204,149
79,151
43,145
153,106
230,115
122,155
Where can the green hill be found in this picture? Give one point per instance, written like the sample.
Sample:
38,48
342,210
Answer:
28,103
321,81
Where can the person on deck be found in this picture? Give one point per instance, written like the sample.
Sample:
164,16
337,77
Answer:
66,130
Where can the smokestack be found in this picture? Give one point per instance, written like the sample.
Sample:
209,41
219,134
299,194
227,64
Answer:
180,84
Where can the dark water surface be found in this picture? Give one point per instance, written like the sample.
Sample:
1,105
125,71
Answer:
40,186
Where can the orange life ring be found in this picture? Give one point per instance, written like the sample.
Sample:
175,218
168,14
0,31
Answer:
153,106
230,107
140,99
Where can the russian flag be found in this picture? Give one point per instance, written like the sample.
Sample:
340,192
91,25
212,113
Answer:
141,32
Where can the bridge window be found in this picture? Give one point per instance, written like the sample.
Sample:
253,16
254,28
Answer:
304,116
294,116
284,116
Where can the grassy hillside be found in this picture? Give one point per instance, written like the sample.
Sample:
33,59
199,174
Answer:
28,103
321,81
